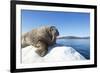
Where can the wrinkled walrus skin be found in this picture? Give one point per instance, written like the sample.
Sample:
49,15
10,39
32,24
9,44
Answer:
40,38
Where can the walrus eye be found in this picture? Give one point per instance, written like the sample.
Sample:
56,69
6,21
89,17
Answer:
52,28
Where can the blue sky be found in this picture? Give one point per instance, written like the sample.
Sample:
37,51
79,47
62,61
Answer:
68,23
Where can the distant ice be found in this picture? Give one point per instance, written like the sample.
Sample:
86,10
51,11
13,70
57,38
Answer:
56,54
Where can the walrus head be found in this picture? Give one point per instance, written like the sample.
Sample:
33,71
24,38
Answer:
53,31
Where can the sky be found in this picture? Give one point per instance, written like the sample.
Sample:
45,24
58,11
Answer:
67,23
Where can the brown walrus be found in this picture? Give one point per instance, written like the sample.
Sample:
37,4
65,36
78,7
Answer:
40,38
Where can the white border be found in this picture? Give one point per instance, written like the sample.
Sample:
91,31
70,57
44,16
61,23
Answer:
49,8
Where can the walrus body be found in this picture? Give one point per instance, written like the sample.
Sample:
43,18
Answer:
40,38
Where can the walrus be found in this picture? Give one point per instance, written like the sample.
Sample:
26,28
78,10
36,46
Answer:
41,38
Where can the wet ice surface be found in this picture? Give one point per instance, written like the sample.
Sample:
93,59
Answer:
55,54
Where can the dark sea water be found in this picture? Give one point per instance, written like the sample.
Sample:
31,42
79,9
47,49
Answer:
80,45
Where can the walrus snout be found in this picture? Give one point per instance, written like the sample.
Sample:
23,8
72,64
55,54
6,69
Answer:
57,33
